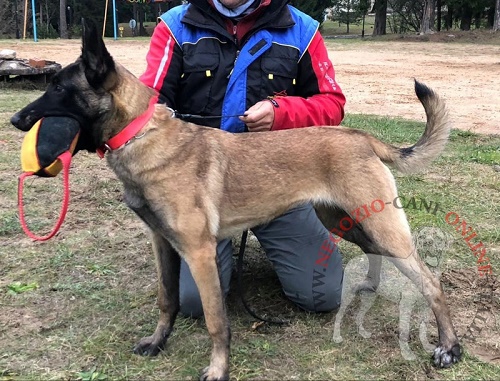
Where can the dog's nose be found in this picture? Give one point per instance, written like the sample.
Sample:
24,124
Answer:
20,123
15,119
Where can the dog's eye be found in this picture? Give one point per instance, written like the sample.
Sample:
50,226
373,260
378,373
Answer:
59,89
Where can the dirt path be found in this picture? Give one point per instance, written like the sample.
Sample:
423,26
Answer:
377,77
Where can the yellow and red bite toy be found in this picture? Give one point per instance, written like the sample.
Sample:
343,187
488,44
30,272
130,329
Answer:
47,149
45,142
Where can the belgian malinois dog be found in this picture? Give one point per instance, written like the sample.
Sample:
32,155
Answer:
192,185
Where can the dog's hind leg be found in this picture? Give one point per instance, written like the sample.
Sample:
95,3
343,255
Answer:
385,231
168,267
448,350
389,230
331,216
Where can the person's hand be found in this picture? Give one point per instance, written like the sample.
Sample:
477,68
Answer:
259,117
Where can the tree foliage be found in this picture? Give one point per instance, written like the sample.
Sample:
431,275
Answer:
315,9
408,15
7,14
349,11
467,14
50,15
401,16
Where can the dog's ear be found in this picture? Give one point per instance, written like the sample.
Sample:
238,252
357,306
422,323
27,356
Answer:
98,63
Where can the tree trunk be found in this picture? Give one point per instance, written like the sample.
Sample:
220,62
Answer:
439,10
466,17
18,32
427,24
142,30
41,18
449,18
496,22
348,14
490,17
477,19
380,8
63,25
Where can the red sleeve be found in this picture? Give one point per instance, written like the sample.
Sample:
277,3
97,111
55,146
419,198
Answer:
164,63
319,100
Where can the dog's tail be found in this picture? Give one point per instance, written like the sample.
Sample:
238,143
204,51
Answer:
430,144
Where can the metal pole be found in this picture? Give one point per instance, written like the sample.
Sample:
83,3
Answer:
34,20
114,19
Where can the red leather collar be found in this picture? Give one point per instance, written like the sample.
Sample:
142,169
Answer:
130,131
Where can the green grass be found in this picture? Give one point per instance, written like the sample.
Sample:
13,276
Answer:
333,28
82,299
12,100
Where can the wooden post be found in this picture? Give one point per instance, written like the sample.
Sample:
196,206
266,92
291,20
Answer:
105,14
25,18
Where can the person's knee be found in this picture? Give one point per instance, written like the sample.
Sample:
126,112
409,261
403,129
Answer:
318,302
323,295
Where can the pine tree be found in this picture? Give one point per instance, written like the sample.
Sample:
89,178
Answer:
315,9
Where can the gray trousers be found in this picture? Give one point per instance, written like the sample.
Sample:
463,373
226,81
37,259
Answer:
303,254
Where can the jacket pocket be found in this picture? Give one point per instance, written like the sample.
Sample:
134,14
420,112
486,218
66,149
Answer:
195,63
197,81
280,75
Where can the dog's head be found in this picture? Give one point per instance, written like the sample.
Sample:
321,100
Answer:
80,91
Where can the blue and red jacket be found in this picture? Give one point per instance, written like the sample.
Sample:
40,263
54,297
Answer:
202,64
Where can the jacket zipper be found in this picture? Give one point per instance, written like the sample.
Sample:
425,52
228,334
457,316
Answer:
235,38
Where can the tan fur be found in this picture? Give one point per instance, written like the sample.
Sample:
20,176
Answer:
205,184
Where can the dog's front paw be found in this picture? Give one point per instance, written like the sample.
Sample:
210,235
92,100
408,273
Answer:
149,346
445,358
213,373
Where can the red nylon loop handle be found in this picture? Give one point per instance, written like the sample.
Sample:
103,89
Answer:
66,162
